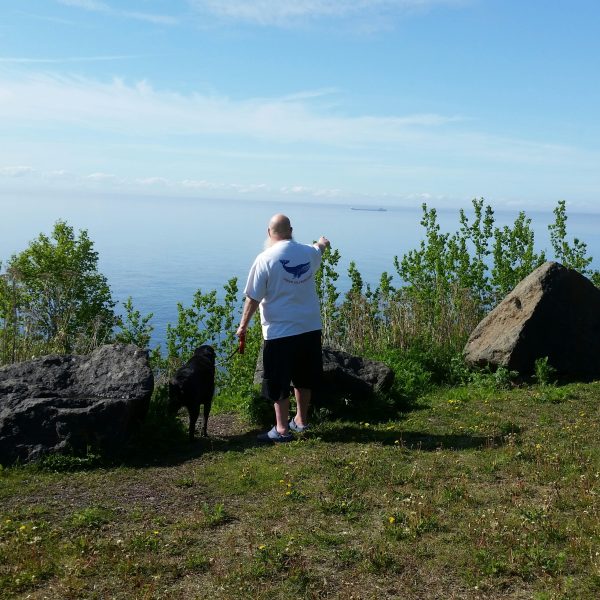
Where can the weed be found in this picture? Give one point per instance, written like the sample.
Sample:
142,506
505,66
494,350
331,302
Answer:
544,372
92,517
498,379
454,494
69,462
348,507
214,515
185,482
146,542
550,394
197,563
381,559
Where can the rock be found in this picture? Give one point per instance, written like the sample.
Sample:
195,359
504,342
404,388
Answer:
69,403
553,312
345,376
354,375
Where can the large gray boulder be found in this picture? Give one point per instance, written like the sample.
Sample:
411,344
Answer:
345,376
69,403
553,312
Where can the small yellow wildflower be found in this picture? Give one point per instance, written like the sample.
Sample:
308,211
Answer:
392,520
155,532
262,547
23,528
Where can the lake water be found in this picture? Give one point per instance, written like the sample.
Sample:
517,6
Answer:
160,251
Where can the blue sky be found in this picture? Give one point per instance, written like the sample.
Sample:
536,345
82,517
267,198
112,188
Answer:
384,102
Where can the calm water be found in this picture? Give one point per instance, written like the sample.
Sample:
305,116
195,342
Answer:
160,251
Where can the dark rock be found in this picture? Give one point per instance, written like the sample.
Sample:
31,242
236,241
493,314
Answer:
553,312
345,376
354,375
70,403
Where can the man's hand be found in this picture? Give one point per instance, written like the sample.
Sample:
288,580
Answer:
323,243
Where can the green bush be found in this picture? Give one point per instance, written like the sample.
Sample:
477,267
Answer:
53,299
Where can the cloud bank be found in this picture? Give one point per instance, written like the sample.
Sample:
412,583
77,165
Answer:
285,12
137,109
124,135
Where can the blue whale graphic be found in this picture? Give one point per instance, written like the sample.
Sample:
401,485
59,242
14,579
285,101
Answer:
296,271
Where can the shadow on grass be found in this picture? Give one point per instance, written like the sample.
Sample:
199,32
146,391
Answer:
180,450
171,451
411,440
162,439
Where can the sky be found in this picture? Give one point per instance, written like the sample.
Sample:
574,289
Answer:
372,102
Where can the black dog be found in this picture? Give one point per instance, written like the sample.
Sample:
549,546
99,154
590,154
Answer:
193,385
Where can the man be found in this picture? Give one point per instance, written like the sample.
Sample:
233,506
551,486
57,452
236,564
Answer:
281,283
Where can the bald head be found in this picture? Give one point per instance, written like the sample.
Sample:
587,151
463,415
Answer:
280,228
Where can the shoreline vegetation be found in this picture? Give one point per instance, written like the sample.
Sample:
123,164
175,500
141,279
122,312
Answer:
459,483
53,299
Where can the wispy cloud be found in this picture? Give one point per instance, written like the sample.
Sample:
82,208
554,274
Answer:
16,171
139,108
62,178
48,18
101,176
285,12
103,7
62,181
68,59
87,4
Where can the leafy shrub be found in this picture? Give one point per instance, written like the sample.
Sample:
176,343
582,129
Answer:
135,328
161,432
258,410
498,379
53,299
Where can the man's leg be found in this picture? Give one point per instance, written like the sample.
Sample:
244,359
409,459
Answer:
303,396
307,374
282,415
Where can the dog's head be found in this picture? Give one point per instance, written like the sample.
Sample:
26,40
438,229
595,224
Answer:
207,353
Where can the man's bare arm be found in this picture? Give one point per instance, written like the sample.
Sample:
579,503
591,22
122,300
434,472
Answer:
250,307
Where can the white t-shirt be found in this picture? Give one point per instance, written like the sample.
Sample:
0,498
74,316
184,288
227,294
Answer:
282,279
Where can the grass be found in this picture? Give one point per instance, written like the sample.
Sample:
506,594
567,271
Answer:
473,493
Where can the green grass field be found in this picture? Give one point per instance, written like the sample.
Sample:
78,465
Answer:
473,493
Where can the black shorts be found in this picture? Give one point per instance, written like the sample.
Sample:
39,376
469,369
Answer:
295,361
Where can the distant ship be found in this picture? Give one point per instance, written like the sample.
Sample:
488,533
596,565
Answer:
369,209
